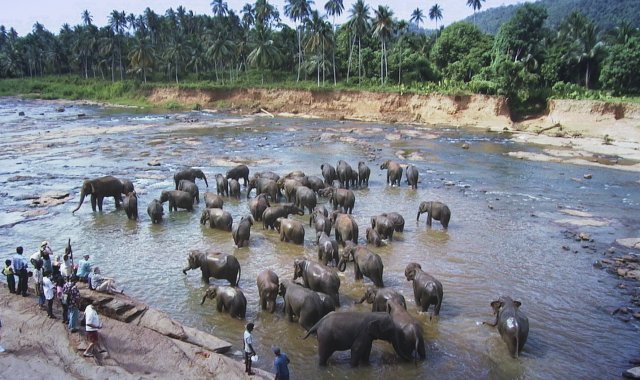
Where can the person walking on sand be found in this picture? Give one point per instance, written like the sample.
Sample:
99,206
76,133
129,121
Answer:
93,324
248,348
84,269
19,264
48,290
11,279
71,294
281,364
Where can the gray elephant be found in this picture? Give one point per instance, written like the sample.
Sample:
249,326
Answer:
363,174
217,218
190,174
155,211
396,219
130,205
127,186
234,188
214,264
306,198
342,199
314,183
264,186
268,175
242,232
351,330
373,237
427,290
409,335
177,199
191,188
379,297
365,263
99,188
230,299
289,186
345,227
318,277
213,200
394,172
321,222
412,176
272,213
327,250
222,185
327,303
328,173
300,302
436,210
290,230
383,226
512,323
257,206
237,172
268,288
345,174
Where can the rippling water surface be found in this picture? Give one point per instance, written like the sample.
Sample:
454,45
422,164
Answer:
503,238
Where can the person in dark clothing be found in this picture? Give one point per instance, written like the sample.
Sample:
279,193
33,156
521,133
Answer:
281,364
19,264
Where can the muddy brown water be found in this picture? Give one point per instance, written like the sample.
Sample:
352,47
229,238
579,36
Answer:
503,238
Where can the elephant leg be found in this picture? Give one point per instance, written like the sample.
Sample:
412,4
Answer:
263,303
421,349
100,199
358,272
118,200
429,219
324,352
437,308
219,306
360,350
93,202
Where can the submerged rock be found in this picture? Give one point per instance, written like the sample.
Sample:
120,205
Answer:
632,373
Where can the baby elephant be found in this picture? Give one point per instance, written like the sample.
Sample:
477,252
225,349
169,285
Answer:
436,210
268,288
512,324
427,290
242,231
230,299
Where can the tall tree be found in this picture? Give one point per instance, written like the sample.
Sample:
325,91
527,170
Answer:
142,57
435,13
417,17
383,25
264,54
219,8
320,36
334,8
588,51
298,11
358,24
86,17
476,5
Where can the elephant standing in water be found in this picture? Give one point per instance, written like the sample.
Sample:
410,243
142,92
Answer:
130,205
234,188
242,232
177,199
318,277
436,210
394,172
363,174
155,211
191,188
345,174
257,206
409,335
301,302
214,264
328,173
512,323
217,218
380,297
272,213
365,263
99,188
190,174
427,290
412,176
230,299
290,230
268,288
240,171
212,200
222,185
345,227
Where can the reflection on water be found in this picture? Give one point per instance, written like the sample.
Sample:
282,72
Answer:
501,239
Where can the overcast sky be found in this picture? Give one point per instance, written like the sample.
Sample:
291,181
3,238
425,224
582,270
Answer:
22,14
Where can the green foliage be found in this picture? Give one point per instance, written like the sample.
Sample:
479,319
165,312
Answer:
461,51
521,36
621,68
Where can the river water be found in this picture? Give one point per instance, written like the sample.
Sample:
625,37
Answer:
506,234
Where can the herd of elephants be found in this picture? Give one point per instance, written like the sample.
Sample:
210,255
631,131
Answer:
313,301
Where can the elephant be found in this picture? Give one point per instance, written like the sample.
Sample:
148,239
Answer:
409,335
268,287
177,198
365,263
301,302
436,210
212,200
327,303
130,205
290,230
222,185
318,277
321,221
383,226
99,188
191,188
268,175
234,188
214,264
217,218
127,186
327,249
242,232
363,174
342,199
289,187
396,219
264,186
155,211
237,172
314,183
296,174
379,297
512,323
305,198
373,237
345,173
427,290
394,172
272,213
345,227
257,206
190,174
328,173
412,176
230,299
351,330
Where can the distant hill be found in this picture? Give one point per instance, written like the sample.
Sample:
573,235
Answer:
607,14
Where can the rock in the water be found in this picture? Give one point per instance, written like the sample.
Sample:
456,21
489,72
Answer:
588,176
584,236
465,146
629,242
21,113
153,163
52,198
60,109
449,183
634,274
632,373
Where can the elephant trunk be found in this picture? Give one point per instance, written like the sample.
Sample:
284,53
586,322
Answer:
205,180
82,195
362,299
342,265
185,269
418,217
203,299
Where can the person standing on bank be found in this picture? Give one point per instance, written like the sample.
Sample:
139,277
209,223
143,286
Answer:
19,264
11,279
281,364
48,290
248,349
38,276
71,293
93,324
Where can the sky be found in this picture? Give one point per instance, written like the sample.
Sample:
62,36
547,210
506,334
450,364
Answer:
22,14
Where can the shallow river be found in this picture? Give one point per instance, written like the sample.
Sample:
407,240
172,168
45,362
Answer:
506,234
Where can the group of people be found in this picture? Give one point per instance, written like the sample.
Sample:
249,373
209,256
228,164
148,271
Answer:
280,363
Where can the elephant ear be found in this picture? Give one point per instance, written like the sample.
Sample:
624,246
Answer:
517,304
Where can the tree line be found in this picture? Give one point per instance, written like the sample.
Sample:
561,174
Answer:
524,61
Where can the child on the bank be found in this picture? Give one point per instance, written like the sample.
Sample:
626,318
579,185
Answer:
8,272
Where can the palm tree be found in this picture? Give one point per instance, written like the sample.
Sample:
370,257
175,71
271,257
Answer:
248,15
358,24
621,33
401,28
117,21
298,11
86,17
435,13
265,13
383,28
265,53
219,8
142,57
587,50
220,48
320,36
476,5
334,8
417,17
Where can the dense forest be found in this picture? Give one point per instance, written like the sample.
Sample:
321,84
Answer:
525,60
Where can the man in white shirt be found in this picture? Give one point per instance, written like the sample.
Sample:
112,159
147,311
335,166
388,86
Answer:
248,348
48,288
93,324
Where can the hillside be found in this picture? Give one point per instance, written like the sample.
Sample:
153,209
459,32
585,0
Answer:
607,14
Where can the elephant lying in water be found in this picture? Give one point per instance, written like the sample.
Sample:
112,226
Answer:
230,299
214,264
512,323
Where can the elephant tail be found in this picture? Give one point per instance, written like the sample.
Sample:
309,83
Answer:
238,277
312,330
